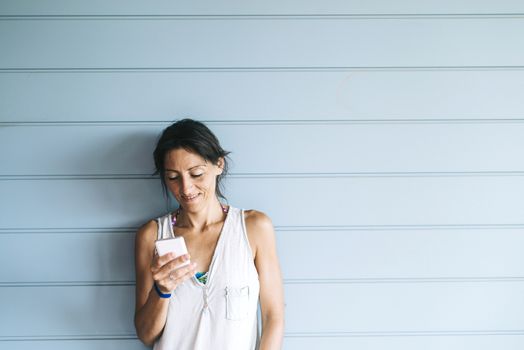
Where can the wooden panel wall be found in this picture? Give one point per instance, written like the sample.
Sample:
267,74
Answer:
385,136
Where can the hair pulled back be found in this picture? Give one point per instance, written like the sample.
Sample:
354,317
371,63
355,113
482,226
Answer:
195,137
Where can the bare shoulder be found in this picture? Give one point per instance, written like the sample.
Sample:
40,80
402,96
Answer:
145,241
258,220
259,228
147,232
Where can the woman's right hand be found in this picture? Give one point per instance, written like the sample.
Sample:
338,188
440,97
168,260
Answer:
166,271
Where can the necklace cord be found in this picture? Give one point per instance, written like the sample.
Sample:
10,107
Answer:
179,210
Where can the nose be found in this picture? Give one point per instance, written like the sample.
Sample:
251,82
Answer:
187,185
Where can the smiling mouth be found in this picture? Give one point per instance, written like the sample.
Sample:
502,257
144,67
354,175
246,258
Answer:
190,198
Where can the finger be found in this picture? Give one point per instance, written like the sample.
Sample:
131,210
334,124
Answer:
175,263
178,273
164,259
174,273
170,264
155,263
172,282
183,274
159,261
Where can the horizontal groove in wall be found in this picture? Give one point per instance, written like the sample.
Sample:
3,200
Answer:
313,281
338,16
78,177
414,280
163,123
270,175
66,284
399,227
70,337
256,69
109,230
73,230
406,333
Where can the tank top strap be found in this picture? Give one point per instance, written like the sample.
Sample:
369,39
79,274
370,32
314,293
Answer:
233,235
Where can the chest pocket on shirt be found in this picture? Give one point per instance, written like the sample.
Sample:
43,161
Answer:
237,302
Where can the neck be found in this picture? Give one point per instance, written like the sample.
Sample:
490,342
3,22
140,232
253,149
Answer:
210,214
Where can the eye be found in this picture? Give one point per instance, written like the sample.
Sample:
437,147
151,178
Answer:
197,175
172,178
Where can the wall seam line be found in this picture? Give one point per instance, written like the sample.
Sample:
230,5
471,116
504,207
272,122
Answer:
287,281
279,228
255,69
268,122
371,334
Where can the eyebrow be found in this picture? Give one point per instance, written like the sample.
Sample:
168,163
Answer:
196,166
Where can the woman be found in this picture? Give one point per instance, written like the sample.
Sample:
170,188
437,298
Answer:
212,302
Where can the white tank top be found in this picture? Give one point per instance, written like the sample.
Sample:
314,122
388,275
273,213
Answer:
221,314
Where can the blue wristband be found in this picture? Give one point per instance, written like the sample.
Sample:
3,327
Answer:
160,294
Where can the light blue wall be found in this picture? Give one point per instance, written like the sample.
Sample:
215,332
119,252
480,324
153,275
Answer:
383,138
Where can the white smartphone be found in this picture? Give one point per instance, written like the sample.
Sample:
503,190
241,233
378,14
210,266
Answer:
176,245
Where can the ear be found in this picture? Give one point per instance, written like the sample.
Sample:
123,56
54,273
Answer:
220,165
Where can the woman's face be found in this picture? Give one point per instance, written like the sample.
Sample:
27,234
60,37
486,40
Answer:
191,179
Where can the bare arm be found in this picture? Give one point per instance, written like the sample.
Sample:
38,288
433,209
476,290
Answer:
262,234
150,309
